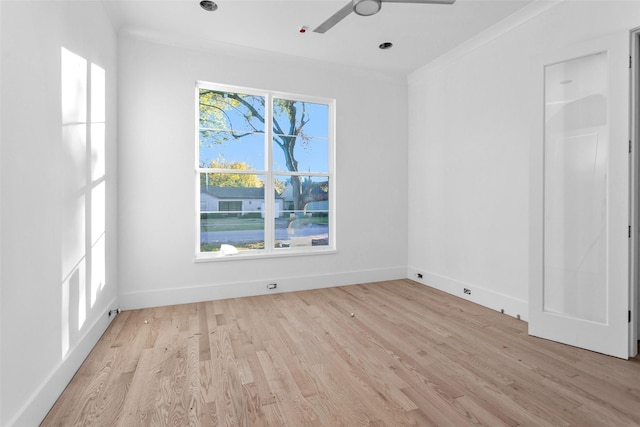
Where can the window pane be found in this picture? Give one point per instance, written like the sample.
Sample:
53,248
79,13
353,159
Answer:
222,149
231,211
231,111
300,118
302,211
300,141
231,130
309,154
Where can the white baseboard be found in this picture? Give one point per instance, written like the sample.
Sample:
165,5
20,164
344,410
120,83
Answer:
38,405
512,306
185,295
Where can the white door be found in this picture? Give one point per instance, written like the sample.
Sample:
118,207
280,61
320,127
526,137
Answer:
580,198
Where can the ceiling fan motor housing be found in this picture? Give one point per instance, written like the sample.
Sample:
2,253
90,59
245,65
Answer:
366,7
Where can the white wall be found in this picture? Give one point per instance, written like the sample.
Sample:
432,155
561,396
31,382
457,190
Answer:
156,163
50,315
470,130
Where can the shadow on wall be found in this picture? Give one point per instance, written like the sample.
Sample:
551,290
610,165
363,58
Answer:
83,94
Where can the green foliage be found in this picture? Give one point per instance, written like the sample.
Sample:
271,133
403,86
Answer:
252,215
219,111
221,222
210,247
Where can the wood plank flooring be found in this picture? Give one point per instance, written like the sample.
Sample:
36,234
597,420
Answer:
410,356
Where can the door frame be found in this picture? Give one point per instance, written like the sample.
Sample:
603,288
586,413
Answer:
634,134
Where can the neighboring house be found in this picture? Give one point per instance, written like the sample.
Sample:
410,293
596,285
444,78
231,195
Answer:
236,200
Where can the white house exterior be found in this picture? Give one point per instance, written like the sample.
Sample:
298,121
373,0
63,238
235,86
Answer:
236,200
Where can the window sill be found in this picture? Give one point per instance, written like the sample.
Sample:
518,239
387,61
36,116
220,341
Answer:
252,255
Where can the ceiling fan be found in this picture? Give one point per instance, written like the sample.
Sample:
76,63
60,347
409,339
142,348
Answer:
367,8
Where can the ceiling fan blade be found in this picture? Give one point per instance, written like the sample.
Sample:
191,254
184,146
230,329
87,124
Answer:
420,1
335,18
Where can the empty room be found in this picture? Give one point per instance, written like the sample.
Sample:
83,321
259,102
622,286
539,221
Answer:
319,212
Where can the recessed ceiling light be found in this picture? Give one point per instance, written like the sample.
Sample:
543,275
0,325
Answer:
385,45
208,5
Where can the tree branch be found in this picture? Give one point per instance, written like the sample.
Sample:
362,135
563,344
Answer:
249,106
219,109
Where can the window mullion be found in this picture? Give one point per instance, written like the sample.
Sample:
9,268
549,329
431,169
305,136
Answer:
269,202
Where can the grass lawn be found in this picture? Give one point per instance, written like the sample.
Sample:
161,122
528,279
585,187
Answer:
233,223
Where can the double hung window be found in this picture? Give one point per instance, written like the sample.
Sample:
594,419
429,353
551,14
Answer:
264,172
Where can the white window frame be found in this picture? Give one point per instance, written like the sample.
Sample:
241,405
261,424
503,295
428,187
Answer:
269,177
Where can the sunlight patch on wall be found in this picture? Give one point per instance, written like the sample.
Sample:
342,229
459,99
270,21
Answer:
98,206
98,181
83,259
74,88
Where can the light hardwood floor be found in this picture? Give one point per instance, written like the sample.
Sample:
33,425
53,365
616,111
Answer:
410,355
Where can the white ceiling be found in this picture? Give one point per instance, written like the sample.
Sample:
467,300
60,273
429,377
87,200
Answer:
419,32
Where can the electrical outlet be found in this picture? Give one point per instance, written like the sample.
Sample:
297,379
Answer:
271,286
467,291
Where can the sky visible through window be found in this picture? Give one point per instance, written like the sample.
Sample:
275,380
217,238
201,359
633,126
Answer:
236,139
